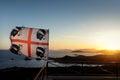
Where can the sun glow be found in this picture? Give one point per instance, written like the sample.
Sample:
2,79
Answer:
111,45
109,42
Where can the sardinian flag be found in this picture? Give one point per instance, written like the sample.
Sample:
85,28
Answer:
31,42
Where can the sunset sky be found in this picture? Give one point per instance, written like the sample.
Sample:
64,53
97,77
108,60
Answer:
73,24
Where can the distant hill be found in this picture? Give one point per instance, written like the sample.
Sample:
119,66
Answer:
86,50
81,58
95,51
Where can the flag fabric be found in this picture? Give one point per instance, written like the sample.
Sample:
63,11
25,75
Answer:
31,42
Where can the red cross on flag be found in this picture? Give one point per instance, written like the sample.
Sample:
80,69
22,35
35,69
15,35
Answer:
31,42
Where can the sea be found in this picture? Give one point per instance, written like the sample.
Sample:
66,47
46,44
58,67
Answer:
8,59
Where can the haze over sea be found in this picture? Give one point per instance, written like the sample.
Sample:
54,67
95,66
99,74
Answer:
8,59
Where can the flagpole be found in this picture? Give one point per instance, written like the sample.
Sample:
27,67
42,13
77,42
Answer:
41,70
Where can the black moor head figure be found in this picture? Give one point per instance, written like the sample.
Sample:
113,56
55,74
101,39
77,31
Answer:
16,31
15,48
40,52
41,34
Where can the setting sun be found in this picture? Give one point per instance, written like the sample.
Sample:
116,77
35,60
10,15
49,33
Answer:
111,45
109,42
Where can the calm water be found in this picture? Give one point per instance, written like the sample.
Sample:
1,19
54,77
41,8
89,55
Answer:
69,53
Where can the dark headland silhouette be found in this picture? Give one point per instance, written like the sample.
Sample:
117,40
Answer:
110,67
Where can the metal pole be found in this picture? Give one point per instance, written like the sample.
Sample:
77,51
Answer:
40,72
45,71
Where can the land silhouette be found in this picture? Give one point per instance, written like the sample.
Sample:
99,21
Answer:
110,66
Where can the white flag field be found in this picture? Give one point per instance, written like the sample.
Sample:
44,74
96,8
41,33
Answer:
31,42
